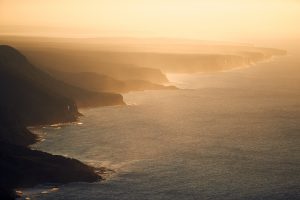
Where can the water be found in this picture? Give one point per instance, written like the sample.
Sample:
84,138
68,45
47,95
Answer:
234,135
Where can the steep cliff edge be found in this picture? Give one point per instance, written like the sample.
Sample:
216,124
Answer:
39,98
103,83
30,96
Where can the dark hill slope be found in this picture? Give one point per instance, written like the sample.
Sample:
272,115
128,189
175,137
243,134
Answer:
92,61
24,90
23,167
12,130
38,97
99,82
30,96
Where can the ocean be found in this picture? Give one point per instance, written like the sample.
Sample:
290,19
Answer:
227,135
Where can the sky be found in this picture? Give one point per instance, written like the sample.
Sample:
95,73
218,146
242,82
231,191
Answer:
198,19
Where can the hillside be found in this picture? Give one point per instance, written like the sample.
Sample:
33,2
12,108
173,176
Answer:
99,82
19,79
30,96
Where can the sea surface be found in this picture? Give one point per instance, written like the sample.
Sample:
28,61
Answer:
227,135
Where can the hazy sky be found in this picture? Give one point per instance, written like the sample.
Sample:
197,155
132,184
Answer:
202,19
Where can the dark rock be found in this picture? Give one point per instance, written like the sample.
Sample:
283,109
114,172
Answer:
37,97
23,167
30,96
99,82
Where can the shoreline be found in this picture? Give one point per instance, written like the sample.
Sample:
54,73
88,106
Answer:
24,167
48,187
99,171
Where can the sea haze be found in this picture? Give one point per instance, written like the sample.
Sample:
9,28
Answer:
229,135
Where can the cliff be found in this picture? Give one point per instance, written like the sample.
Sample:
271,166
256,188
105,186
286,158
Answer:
91,61
140,58
99,82
37,97
30,96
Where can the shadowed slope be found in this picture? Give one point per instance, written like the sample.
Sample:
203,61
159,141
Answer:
41,94
30,96
99,83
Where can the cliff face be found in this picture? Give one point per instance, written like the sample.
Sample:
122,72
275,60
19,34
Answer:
93,61
24,91
99,82
30,96
39,98
144,59
150,65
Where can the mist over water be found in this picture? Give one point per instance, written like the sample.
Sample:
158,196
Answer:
229,135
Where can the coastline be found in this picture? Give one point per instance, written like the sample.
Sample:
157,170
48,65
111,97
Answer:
177,79
24,167
65,190
38,167
52,187
36,98
48,187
